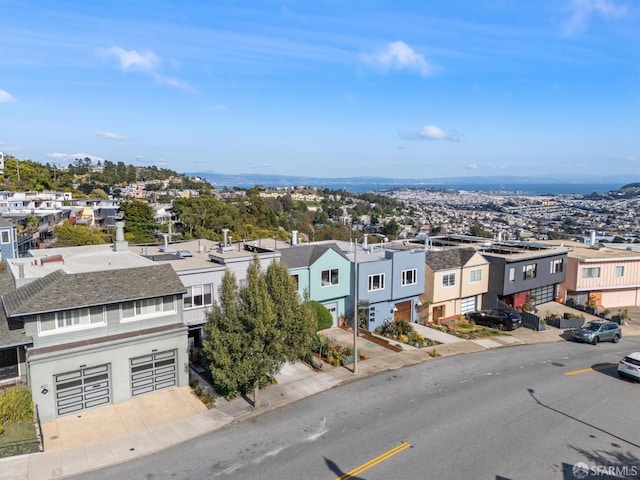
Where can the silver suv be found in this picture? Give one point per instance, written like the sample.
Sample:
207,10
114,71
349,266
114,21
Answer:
594,332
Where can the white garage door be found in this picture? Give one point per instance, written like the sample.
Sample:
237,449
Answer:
468,305
153,372
82,389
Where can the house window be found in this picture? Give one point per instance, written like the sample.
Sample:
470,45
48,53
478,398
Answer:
448,279
409,277
556,266
296,279
591,272
376,282
6,238
475,275
329,277
512,275
148,307
55,322
529,271
198,296
619,272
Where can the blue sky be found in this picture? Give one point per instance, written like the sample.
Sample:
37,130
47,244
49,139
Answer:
401,89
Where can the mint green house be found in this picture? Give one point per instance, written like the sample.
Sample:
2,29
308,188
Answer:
324,272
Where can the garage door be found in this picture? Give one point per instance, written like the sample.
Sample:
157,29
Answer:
82,389
468,305
153,372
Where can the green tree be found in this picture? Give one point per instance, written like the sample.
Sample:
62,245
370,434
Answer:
139,221
295,319
98,194
205,216
265,348
256,328
226,340
68,235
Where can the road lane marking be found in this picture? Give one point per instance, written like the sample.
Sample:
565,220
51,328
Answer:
375,461
591,369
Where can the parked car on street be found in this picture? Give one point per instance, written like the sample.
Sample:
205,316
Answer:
594,332
496,318
629,366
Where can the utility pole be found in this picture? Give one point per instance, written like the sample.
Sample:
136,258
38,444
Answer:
355,307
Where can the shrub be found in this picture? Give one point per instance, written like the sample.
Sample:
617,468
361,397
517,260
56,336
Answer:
324,319
16,405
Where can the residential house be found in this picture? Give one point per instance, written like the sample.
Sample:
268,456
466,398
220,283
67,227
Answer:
200,266
8,240
389,279
609,273
520,273
323,271
455,281
90,326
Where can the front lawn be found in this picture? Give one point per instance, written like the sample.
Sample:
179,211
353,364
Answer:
468,331
18,430
403,332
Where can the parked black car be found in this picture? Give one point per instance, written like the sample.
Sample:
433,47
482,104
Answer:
495,318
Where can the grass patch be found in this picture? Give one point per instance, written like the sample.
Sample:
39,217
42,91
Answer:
469,331
19,435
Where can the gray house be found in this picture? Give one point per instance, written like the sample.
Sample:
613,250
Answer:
92,327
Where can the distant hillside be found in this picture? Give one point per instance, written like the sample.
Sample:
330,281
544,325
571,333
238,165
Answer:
248,180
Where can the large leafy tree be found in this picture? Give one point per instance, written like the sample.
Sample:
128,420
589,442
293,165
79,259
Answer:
256,328
68,235
205,216
139,221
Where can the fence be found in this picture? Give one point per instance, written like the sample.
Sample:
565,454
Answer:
529,320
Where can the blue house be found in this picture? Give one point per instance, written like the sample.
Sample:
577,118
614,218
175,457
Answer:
8,240
324,272
389,278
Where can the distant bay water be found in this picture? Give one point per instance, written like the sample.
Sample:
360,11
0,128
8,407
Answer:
513,189
507,185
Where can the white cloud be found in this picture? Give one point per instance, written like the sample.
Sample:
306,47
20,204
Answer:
473,166
72,156
6,97
132,60
430,132
581,12
110,135
171,82
400,56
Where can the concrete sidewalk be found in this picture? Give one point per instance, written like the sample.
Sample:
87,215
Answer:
118,433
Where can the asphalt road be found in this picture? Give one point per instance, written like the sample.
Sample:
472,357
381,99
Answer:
527,412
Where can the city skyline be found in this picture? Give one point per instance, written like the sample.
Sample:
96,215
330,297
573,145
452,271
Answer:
325,89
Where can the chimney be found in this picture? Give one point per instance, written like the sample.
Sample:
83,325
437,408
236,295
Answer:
364,241
593,238
121,244
225,239
20,270
294,237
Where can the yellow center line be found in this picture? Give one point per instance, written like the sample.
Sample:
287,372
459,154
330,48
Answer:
591,369
379,459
